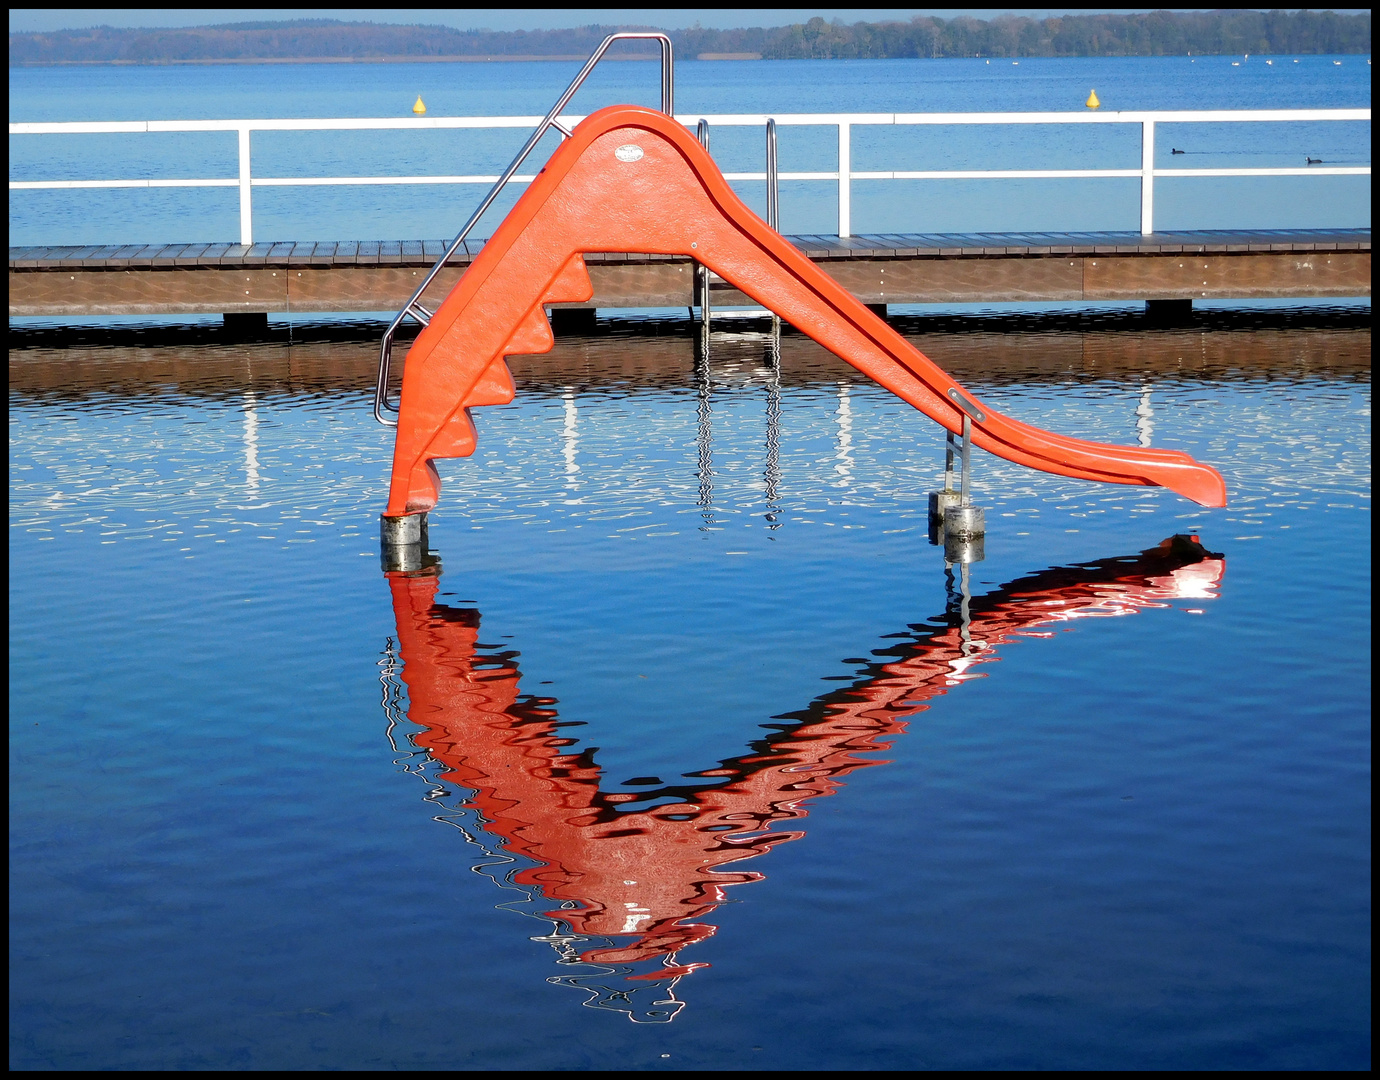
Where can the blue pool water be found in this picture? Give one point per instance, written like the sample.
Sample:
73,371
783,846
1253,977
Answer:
1091,814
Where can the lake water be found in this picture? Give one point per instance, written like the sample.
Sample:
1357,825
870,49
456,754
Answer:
694,729
504,89
691,752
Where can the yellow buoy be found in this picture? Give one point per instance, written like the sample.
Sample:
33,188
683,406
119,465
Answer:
1092,100
419,107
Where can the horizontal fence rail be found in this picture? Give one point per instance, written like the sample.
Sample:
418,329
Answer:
844,175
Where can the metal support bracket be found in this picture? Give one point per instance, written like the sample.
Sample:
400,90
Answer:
965,524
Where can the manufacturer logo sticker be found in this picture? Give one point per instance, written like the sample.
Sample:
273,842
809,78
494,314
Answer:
628,152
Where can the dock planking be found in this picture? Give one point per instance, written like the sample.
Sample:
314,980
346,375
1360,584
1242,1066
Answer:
357,275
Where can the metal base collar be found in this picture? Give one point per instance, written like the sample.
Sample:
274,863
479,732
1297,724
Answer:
964,522
403,544
403,531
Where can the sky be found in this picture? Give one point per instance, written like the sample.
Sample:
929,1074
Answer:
40,19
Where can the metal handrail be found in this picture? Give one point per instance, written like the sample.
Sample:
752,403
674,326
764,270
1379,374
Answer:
774,220
773,198
413,308
702,271
703,275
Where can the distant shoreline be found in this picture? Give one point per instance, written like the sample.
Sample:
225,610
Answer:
536,58
1228,32
572,57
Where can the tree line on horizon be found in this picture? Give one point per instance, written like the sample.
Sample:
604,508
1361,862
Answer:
1158,33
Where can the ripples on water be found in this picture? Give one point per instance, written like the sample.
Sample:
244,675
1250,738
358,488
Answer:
1141,844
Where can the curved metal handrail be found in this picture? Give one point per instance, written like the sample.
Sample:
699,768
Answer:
414,307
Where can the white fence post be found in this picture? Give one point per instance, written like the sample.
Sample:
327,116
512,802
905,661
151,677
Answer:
845,122
1147,177
845,180
246,210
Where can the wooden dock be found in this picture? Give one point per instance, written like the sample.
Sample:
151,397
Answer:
332,276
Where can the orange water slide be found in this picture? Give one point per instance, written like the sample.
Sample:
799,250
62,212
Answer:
632,179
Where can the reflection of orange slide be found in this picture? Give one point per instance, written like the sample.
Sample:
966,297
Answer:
631,179
647,875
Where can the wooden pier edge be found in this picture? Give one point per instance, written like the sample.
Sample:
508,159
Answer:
993,268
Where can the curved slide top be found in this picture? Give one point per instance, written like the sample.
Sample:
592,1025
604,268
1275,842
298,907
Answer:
632,179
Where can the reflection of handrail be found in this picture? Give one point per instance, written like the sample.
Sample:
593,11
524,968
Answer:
704,431
771,472
414,307
646,866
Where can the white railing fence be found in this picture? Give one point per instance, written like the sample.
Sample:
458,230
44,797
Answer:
843,122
